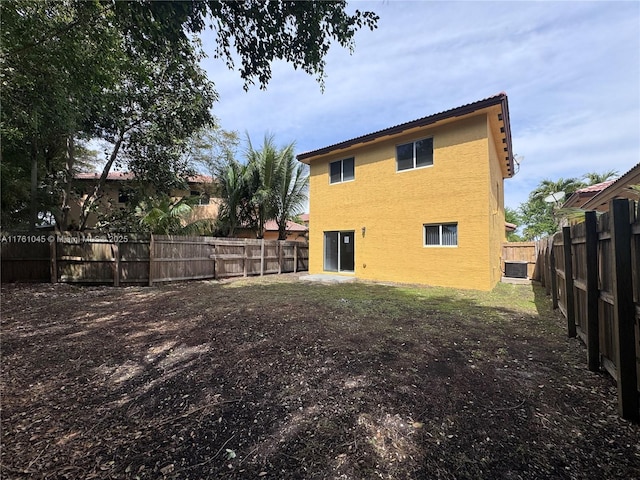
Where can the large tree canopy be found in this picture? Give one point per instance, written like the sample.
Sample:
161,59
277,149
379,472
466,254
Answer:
128,72
254,32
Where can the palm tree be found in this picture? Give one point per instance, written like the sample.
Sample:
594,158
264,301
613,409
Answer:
593,178
232,186
291,189
165,216
262,178
548,187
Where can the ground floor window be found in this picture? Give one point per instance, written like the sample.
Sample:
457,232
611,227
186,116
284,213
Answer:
339,251
441,235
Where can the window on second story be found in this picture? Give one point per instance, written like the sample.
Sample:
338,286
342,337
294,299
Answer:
415,154
342,170
441,235
203,198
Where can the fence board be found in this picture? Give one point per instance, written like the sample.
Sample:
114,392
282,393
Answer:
624,311
521,252
92,258
598,262
25,261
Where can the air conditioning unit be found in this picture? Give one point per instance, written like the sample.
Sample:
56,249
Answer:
515,269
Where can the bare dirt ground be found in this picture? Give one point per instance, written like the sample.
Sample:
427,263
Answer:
280,379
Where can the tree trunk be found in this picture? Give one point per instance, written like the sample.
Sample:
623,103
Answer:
33,216
66,193
97,190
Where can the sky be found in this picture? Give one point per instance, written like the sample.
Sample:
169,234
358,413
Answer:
571,71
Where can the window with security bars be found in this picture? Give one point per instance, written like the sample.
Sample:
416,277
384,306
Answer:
441,235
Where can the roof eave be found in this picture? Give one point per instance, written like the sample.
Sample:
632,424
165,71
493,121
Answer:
500,99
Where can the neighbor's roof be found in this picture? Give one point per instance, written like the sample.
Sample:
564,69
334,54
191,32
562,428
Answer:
582,195
618,188
496,100
271,225
130,176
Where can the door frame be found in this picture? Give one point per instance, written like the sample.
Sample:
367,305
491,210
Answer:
340,233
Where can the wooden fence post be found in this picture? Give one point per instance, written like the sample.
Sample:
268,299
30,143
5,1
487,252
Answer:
151,255
262,257
568,282
245,259
280,250
215,260
116,264
593,331
554,276
53,252
547,265
295,257
624,311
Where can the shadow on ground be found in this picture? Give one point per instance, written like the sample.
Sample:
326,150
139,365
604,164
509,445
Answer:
284,379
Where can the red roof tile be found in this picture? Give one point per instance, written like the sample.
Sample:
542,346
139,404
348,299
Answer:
131,176
272,226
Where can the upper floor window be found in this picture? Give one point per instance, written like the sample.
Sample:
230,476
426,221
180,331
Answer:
203,198
415,154
441,235
342,170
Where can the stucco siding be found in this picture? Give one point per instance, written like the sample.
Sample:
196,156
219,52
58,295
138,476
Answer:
496,212
393,207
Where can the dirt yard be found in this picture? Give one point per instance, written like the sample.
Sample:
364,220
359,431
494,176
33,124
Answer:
276,378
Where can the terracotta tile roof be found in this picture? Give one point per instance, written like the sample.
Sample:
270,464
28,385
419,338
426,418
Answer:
272,226
598,187
130,176
304,217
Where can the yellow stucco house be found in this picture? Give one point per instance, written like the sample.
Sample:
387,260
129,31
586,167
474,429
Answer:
421,202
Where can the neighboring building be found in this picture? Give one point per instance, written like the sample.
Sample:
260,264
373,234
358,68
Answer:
304,219
115,195
295,231
421,202
597,197
581,196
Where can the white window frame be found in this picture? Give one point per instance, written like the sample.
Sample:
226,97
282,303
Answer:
342,180
439,225
415,166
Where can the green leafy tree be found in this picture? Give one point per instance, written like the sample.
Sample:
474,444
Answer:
538,214
252,34
166,216
513,216
76,70
213,148
593,178
54,57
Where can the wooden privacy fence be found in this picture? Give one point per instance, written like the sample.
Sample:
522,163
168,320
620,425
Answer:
521,252
591,271
142,259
